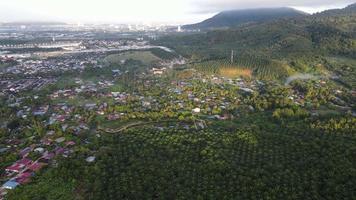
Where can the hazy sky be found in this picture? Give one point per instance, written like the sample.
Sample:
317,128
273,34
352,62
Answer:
122,11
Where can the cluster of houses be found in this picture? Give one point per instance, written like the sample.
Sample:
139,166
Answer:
205,102
32,67
16,86
110,44
89,88
299,97
34,158
6,59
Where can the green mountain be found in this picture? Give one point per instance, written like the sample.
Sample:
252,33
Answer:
280,47
235,18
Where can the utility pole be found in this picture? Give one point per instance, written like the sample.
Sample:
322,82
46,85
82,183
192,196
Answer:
232,56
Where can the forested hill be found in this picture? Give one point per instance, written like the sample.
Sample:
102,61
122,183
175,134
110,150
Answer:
351,9
330,32
235,18
301,44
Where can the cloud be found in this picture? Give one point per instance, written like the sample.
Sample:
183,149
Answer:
123,11
209,6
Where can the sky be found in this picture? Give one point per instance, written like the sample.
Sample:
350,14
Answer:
142,11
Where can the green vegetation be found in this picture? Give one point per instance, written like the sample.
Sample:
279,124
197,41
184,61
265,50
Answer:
146,57
261,161
278,48
165,55
344,68
261,68
277,122
235,18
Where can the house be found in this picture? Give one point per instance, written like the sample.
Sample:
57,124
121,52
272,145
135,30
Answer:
19,165
247,90
60,140
113,117
24,162
83,126
196,110
146,103
10,185
90,159
46,141
100,112
35,167
14,168
157,71
64,127
39,150
90,106
70,143
115,94
50,133
24,152
47,157
23,177
41,111
224,117
3,150
59,150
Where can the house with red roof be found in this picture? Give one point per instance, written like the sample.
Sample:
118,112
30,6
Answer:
19,165
70,143
14,168
35,167
24,162
24,177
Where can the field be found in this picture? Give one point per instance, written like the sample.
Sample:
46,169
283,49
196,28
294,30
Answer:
233,72
145,57
245,66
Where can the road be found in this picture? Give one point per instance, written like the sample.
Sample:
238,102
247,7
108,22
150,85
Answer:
136,124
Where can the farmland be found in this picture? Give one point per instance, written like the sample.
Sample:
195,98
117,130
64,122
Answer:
258,161
245,66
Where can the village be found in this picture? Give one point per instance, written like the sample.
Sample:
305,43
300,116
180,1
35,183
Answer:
212,98
64,104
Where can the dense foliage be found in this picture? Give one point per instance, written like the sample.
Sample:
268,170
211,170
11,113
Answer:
307,41
262,160
238,17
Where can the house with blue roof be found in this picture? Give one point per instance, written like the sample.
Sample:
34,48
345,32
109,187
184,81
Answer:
11,184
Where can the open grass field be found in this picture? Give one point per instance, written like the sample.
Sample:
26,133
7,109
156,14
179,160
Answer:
233,72
146,57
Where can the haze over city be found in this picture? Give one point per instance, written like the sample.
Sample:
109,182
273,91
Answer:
139,11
